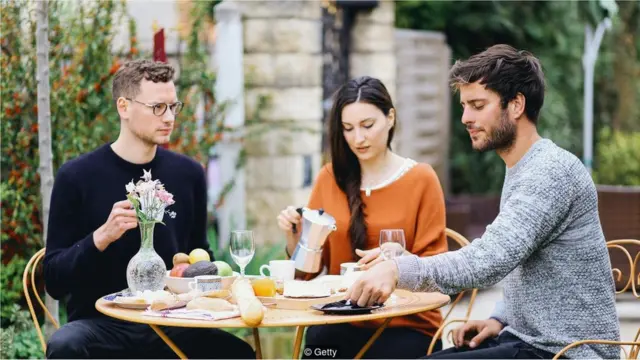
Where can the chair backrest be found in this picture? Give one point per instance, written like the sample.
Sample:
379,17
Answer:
633,280
30,274
462,242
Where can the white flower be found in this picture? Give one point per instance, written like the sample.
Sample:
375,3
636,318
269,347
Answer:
146,175
131,187
144,188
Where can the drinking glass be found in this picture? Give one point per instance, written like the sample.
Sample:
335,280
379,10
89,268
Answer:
392,243
242,248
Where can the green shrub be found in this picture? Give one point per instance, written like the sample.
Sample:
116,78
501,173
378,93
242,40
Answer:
82,65
617,158
19,340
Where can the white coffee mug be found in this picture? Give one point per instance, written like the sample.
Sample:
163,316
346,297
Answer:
280,269
206,283
349,266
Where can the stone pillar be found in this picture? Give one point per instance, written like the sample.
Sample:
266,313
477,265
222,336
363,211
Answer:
229,88
373,45
282,60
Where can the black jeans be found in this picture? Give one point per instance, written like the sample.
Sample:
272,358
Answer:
394,343
505,346
107,338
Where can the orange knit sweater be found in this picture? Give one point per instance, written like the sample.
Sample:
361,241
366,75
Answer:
414,202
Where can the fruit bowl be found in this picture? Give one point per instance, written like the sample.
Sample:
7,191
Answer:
180,285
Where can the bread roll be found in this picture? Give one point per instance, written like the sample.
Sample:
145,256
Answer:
186,297
220,294
204,303
251,309
166,301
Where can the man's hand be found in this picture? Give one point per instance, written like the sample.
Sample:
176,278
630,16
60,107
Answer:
375,285
477,330
122,218
369,258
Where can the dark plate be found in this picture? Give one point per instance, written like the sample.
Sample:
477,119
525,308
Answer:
342,308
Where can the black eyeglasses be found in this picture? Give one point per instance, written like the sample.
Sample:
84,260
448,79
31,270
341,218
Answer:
160,108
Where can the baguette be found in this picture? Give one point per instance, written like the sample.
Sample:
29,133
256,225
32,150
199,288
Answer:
251,309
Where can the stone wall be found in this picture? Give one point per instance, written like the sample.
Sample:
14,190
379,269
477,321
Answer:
373,45
282,60
424,97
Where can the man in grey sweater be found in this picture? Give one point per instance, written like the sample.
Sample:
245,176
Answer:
546,242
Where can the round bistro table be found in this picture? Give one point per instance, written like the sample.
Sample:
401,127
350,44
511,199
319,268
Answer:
405,303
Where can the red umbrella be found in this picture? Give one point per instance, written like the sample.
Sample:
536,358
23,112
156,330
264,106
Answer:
158,46
159,54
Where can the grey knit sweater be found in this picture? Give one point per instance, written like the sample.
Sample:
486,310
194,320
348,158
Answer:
548,246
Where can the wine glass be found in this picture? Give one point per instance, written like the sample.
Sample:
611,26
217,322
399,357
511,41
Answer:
392,243
242,248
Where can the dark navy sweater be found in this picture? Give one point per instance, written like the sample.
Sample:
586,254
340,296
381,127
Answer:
84,192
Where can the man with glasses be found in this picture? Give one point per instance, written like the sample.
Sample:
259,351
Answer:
91,231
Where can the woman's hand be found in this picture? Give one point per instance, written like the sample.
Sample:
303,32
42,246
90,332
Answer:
286,220
372,257
369,257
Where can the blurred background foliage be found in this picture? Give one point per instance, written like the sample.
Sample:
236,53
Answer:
82,64
553,31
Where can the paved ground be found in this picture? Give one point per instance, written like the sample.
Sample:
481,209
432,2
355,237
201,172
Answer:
628,311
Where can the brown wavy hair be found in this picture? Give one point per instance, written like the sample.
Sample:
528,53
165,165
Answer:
127,79
345,164
506,71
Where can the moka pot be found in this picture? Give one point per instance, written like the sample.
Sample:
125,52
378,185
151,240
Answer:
316,227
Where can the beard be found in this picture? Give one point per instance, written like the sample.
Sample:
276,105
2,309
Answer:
501,137
151,140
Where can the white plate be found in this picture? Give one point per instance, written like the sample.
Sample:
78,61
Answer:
112,298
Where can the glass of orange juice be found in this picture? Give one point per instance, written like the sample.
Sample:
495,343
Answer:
264,286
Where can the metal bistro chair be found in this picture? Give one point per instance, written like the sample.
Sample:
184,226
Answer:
30,271
461,241
633,282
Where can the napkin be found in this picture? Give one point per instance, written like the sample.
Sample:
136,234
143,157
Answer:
193,314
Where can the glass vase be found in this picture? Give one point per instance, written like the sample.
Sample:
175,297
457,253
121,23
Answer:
146,269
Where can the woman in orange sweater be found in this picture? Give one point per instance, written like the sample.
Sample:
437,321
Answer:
367,188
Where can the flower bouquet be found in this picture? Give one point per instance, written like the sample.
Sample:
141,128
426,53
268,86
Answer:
146,270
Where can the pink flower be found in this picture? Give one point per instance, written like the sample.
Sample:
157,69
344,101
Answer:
165,196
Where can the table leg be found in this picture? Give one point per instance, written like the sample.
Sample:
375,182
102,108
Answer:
256,340
373,338
168,341
298,343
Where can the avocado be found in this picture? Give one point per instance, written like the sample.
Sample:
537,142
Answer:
200,268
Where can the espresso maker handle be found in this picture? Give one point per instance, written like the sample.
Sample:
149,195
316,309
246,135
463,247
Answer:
294,226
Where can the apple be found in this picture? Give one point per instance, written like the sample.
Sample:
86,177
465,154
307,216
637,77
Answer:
198,255
223,268
178,269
